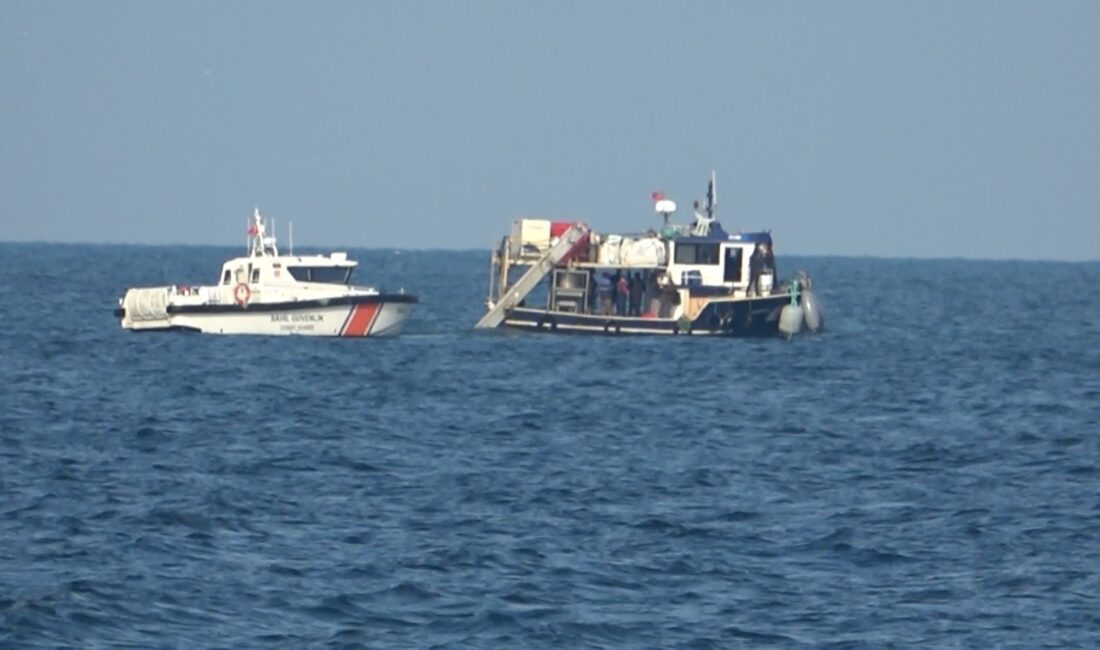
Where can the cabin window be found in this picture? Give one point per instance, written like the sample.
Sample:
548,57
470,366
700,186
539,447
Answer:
227,276
329,274
255,275
696,254
733,264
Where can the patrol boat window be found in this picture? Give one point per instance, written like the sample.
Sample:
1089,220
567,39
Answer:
733,264
329,274
227,277
697,254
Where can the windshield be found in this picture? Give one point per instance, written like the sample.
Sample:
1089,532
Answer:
329,274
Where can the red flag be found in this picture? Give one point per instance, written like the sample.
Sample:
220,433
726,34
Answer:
658,196
252,230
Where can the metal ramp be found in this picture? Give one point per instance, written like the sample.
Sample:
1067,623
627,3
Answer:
518,291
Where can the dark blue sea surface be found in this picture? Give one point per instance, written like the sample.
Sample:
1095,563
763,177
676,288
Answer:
924,473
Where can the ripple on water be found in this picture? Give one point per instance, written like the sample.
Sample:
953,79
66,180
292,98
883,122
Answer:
918,475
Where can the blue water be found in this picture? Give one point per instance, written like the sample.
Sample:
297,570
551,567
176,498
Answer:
923,473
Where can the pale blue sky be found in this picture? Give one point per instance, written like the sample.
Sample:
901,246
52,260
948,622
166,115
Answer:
883,128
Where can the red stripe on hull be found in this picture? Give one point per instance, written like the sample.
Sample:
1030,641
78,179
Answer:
362,316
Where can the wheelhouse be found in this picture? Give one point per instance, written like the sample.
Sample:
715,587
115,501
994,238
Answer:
335,268
714,261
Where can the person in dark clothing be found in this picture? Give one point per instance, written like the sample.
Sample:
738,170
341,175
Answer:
769,261
637,287
593,294
615,291
756,266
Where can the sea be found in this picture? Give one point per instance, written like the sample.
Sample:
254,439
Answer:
923,473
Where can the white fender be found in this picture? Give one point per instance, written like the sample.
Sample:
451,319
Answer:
790,320
811,311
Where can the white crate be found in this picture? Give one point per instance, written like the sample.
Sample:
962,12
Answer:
530,237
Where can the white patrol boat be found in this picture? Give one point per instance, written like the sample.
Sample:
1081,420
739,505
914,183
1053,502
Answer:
269,293
692,279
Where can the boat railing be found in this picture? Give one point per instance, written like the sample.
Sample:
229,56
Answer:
674,230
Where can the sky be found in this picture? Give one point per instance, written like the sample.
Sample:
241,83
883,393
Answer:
885,128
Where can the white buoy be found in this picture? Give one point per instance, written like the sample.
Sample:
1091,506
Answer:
811,311
790,320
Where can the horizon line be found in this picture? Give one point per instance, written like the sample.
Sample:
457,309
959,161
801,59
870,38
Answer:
41,242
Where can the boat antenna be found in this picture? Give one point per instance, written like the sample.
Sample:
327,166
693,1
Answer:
248,234
290,235
712,196
255,233
702,223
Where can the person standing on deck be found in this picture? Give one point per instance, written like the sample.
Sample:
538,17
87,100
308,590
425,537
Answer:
622,293
604,287
756,265
769,262
653,289
593,293
637,287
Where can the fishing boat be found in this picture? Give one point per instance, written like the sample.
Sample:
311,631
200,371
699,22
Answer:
692,279
265,292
